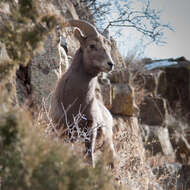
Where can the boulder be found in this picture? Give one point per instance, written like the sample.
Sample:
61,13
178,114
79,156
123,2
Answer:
122,100
116,93
164,139
119,76
152,111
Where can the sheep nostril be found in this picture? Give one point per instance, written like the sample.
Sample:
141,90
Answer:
110,64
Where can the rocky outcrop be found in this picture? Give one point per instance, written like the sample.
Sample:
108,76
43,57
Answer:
173,77
162,87
44,68
122,100
117,94
166,104
165,91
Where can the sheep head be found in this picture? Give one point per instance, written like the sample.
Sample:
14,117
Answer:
95,47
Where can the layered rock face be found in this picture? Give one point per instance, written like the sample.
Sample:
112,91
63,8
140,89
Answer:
171,77
164,112
45,66
161,116
167,101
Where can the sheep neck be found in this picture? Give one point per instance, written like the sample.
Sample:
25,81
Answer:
87,81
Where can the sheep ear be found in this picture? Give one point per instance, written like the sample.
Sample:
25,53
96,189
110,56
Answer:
78,34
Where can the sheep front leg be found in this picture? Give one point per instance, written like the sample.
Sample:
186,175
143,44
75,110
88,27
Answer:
108,145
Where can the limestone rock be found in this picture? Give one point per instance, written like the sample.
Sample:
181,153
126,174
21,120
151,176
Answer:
42,71
119,76
122,100
161,82
164,139
3,53
157,140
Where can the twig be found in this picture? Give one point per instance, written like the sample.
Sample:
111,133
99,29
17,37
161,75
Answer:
47,116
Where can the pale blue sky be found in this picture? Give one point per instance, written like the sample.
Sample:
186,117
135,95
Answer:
177,12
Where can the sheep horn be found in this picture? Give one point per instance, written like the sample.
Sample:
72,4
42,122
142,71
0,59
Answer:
86,27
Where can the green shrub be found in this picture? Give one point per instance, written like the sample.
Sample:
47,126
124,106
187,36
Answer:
29,160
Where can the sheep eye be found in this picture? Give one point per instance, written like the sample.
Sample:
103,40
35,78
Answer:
92,46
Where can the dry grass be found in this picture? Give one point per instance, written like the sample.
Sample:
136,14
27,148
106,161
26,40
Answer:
32,160
133,170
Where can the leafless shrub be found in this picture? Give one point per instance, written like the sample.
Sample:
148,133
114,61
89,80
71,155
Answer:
72,132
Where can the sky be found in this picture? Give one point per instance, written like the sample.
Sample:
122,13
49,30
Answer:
177,13
174,12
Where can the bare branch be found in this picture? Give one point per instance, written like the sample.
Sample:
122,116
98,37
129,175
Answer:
145,20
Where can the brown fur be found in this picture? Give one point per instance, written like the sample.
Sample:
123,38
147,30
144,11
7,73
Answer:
75,91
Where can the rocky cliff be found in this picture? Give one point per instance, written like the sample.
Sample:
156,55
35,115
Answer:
150,106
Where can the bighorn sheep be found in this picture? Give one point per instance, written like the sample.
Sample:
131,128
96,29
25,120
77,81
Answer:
76,88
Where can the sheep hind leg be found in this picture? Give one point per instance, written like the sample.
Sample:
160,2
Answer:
94,135
90,147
